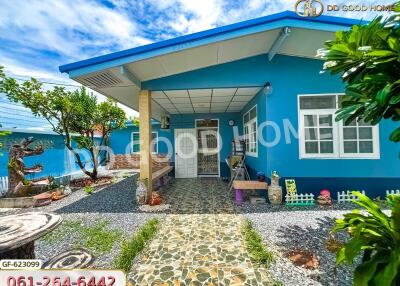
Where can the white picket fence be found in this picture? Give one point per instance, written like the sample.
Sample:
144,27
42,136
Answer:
300,199
392,192
347,196
3,185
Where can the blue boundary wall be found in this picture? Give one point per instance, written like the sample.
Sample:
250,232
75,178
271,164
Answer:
57,160
121,140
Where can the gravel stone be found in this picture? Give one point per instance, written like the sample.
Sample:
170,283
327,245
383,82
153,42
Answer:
306,228
114,203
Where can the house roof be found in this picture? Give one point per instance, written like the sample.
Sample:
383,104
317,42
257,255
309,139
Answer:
123,74
345,22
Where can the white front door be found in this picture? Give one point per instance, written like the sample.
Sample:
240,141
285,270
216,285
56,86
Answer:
185,153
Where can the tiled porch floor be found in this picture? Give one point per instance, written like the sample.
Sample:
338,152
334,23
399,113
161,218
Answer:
200,242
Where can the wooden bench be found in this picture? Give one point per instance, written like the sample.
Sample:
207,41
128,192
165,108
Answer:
240,186
160,177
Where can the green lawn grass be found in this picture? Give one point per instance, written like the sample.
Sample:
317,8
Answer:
98,238
132,247
255,246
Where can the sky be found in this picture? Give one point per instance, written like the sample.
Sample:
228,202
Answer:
37,36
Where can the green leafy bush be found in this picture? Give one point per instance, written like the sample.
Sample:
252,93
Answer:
368,58
376,236
89,190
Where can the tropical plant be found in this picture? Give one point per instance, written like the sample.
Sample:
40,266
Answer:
89,190
75,115
376,236
368,59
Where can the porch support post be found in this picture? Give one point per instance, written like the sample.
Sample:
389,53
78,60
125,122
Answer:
145,139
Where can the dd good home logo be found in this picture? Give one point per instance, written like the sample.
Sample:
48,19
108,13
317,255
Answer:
309,8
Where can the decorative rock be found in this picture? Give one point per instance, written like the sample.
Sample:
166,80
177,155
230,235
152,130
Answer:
71,259
303,258
42,199
67,191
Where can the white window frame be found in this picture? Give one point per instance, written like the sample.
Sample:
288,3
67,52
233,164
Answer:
248,124
156,144
375,145
338,146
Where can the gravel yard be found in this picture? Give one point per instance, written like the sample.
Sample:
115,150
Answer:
112,204
294,228
282,228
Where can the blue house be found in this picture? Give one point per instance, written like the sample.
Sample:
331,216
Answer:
259,79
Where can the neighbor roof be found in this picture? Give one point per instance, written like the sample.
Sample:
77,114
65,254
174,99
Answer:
340,21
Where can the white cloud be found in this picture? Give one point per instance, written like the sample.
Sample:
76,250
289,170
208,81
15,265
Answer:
37,36
75,30
17,69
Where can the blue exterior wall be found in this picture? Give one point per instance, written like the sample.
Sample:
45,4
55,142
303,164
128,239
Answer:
120,140
290,76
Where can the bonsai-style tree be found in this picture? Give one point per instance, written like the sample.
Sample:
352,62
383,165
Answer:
368,59
75,115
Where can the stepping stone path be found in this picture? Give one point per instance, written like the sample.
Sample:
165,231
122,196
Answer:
204,248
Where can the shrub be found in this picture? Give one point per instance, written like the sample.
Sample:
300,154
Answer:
376,236
89,190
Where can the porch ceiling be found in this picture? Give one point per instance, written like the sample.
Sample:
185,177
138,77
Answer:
212,100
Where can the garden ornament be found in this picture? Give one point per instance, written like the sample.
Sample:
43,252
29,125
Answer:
141,192
274,190
324,198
